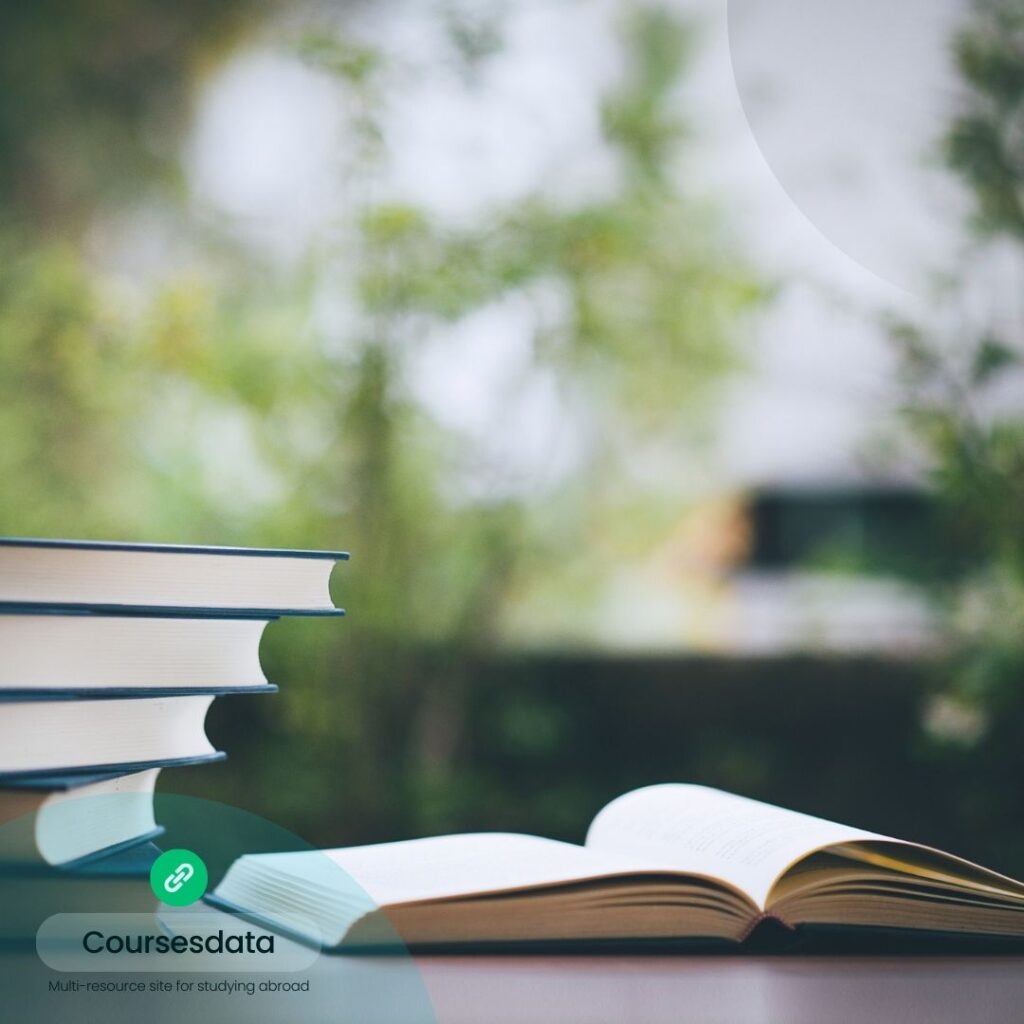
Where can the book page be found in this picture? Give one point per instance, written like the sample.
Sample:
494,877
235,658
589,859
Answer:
695,829
441,867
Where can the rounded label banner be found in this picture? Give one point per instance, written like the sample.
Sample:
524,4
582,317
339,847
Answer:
179,941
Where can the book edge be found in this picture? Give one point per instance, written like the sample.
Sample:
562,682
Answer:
171,549
89,693
107,770
156,611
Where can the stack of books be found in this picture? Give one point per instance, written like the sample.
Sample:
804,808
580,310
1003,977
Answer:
112,656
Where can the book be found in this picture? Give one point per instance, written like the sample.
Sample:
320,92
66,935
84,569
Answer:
65,820
664,864
45,737
97,576
68,654
117,884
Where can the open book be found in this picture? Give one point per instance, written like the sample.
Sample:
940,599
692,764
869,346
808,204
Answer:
669,862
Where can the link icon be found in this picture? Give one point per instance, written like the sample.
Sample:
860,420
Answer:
178,877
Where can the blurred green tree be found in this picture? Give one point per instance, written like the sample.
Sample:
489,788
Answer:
94,99
214,407
651,292
964,404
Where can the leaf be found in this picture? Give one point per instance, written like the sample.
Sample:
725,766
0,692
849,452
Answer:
991,357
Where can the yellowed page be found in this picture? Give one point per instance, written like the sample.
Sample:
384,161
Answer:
744,842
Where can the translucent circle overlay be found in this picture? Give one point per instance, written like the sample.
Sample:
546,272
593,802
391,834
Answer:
848,104
90,941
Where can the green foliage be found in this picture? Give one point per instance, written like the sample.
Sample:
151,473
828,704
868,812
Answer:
986,143
63,370
652,292
957,390
215,408
640,117
93,97
978,459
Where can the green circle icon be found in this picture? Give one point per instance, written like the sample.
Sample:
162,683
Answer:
178,877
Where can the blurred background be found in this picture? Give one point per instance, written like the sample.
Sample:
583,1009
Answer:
659,363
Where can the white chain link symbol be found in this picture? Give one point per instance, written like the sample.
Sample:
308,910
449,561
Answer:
174,881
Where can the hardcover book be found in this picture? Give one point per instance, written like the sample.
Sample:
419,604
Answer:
43,737
91,654
39,575
675,864
67,820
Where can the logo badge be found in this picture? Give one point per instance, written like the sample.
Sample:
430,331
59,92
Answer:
178,877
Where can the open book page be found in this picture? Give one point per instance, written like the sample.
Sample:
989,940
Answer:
705,831
931,865
450,866
477,887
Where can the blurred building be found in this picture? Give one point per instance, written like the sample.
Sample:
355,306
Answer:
776,571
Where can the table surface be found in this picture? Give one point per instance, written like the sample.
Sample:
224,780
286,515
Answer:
739,989
594,989
727,989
